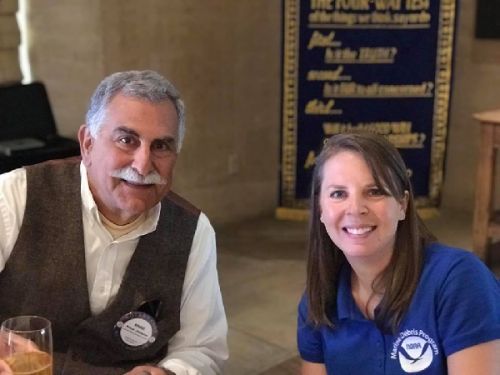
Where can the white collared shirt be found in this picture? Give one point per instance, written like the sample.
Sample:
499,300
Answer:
200,346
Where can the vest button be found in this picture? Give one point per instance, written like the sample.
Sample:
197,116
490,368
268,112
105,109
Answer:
75,357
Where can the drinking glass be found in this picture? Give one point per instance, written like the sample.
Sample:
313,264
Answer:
26,346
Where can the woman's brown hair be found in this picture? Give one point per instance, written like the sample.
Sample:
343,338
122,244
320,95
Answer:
399,280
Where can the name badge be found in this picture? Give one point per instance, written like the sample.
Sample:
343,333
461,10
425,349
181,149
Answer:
136,330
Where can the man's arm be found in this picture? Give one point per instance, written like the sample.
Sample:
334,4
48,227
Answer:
145,370
200,346
12,206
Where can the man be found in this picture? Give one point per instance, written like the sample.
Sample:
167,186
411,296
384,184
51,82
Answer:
123,267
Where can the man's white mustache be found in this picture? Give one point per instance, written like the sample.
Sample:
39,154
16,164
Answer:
129,174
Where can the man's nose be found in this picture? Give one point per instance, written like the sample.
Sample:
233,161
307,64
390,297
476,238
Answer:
142,162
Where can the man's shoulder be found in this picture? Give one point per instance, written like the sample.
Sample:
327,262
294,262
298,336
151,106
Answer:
55,174
177,200
55,164
13,190
13,175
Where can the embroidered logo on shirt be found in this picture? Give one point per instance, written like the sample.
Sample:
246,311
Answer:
414,349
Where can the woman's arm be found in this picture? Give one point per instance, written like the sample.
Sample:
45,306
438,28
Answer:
482,359
310,368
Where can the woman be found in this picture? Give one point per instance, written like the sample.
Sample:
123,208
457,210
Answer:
382,296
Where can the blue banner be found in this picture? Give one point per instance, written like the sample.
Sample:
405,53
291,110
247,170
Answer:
382,66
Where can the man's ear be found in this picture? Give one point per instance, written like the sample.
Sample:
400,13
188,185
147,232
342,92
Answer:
86,142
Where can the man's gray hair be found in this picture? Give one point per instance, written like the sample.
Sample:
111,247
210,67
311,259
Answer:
145,85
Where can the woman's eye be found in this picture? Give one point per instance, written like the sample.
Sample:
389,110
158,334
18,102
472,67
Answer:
337,194
376,192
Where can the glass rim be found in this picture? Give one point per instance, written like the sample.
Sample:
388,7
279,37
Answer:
47,324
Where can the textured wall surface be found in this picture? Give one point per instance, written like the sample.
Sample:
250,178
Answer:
10,39
476,88
224,56
65,50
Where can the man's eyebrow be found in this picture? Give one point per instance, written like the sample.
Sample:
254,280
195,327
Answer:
124,129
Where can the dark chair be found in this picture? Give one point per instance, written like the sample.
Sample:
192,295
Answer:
28,132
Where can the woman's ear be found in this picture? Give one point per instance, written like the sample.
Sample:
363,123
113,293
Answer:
404,205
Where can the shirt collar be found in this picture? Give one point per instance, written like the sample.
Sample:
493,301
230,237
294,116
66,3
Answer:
89,205
346,307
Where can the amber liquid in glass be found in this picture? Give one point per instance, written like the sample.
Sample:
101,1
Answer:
31,363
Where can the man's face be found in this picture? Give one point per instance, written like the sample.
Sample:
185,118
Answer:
139,136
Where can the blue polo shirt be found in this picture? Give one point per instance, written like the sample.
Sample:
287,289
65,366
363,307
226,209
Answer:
456,305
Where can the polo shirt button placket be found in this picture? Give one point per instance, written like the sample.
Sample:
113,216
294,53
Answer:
381,354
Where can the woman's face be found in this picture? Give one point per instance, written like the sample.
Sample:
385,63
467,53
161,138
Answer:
358,216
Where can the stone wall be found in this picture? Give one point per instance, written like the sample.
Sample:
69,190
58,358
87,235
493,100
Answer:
9,41
224,56
65,50
476,88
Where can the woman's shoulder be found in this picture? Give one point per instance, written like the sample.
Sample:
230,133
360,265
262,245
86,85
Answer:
451,264
441,255
460,298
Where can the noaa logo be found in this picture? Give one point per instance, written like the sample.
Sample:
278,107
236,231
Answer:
414,350
415,354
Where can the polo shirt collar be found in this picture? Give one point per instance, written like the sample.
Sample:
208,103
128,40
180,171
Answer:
346,307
